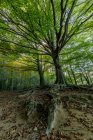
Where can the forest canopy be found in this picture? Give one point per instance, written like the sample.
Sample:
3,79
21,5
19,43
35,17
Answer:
46,42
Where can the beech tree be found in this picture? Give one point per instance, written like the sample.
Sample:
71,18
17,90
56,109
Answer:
48,24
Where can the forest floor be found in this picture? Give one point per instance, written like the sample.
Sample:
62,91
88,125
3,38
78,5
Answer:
78,109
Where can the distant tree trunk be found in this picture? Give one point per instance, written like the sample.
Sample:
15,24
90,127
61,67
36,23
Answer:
81,79
42,80
87,79
70,77
41,74
88,76
12,84
90,79
60,78
73,75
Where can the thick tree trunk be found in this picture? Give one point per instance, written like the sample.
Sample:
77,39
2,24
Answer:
60,78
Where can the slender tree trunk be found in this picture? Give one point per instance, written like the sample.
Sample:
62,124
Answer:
90,78
86,78
70,77
81,79
41,74
12,80
60,78
73,75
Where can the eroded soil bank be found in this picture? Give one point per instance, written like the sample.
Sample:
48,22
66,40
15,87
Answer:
76,125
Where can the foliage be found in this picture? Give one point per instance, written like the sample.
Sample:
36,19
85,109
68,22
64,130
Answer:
51,38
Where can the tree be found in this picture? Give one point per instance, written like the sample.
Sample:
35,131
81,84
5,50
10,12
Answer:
49,24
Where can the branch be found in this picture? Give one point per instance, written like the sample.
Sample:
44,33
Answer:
54,15
78,27
67,20
28,32
61,19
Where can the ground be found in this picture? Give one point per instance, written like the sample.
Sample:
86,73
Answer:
77,124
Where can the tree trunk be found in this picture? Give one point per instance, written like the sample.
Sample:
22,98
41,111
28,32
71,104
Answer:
90,79
41,74
87,79
81,79
60,78
70,77
42,80
73,75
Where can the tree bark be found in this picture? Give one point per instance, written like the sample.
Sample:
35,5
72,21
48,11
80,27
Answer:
41,74
60,78
81,79
73,75
42,80
87,79
70,77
